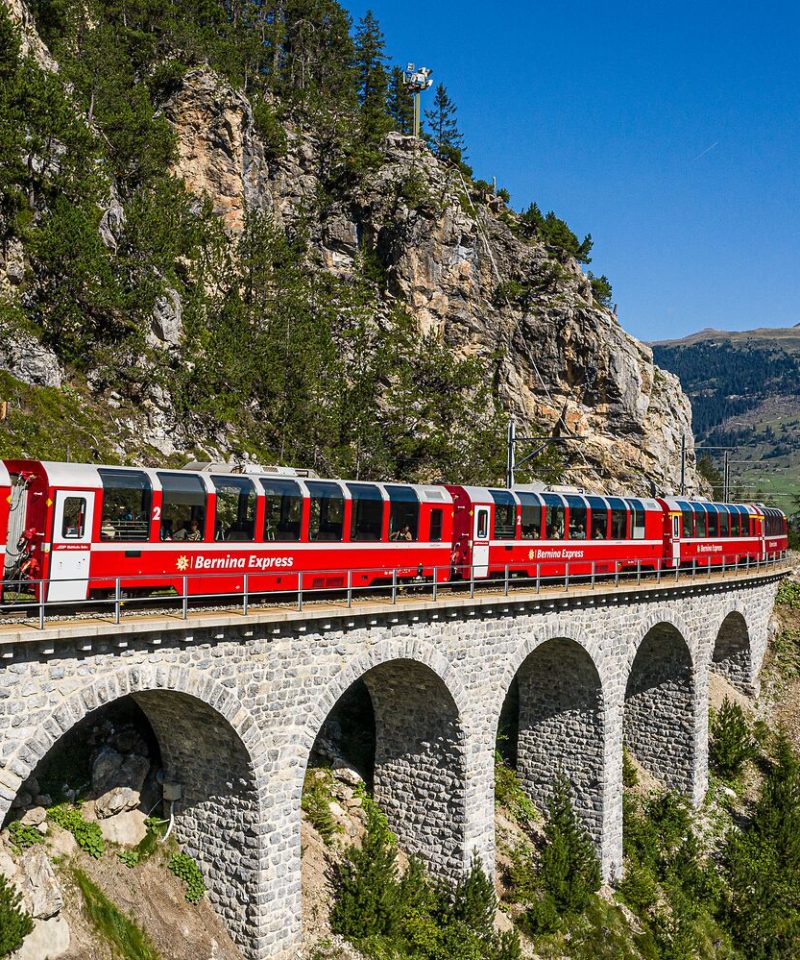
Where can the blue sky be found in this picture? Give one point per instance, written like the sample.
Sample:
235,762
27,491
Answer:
670,131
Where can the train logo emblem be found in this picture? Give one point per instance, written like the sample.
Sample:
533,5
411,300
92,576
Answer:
183,563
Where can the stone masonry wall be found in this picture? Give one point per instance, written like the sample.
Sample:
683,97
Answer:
266,688
731,657
659,724
419,762
561,727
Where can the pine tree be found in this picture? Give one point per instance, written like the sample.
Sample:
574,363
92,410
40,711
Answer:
372,79
447,140
401,103
570,870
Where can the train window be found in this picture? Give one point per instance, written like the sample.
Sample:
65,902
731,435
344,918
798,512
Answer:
619,518
713,521
183,506
283,510
74,518
599,524
577,518
236,509
127,498
700,520
553,516
326,520
724,525
437,519
736,521
687,520
637,520
403,513
505,515
366,517
531,516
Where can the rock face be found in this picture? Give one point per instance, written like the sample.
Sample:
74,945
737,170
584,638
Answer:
23,356
219,155
117,781
565,364
31,43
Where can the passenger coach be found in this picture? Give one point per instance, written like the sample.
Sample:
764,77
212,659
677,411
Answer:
84,526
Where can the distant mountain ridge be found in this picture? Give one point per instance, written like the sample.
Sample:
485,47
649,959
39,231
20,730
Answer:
744,387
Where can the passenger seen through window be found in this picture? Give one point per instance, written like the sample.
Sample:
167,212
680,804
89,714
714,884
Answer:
236,508
577,518
283,510
183,501
127,498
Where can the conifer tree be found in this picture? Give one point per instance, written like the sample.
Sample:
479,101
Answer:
447,140
372,79
570,871
401,103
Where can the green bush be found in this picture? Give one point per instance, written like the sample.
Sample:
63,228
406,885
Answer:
185,868
15,923
732,742
789,594
87,835
316,803
24,836
387,916
508,792
630,777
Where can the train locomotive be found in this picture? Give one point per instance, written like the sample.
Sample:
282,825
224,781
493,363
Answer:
73,532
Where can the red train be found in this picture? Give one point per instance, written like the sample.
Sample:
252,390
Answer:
82,529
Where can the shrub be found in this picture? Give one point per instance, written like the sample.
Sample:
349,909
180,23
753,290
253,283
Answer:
15,923
24,836
630,777
601,289
732,743
87,835
185,868
508,793
316,804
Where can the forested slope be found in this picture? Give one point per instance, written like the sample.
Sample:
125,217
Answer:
217,238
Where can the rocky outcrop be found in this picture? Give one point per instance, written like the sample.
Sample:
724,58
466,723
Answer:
31,44
26,358
219,154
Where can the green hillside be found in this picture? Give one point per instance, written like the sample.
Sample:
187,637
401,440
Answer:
745,393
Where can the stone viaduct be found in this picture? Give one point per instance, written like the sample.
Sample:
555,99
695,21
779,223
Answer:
237,702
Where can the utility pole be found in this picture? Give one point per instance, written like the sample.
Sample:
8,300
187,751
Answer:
683,464
417,80
510,453
726,475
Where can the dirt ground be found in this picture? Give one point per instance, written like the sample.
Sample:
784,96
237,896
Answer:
178,930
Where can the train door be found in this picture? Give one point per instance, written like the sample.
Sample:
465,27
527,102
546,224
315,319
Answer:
480,542
73,513
676,540
17,517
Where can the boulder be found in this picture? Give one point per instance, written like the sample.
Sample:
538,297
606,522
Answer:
127,828
34,817
112,770
40,888
115,802
345,772
61,843
8,868
48,940
29,360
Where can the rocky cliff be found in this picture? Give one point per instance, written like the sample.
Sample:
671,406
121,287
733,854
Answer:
454,257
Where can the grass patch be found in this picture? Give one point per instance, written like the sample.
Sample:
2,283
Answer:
125,937
317,797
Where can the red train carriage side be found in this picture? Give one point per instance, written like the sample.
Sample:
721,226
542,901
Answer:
549,533
153,528
700,533
8,558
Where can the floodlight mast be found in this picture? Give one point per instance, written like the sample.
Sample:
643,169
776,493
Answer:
416,80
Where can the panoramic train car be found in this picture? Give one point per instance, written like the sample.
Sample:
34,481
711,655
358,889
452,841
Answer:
548,534
700,533
85,526
5,503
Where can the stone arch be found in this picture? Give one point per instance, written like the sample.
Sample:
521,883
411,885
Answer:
561,725
419,773
660,724
211,747
731,656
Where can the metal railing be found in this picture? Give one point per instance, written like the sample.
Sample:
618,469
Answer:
31,602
